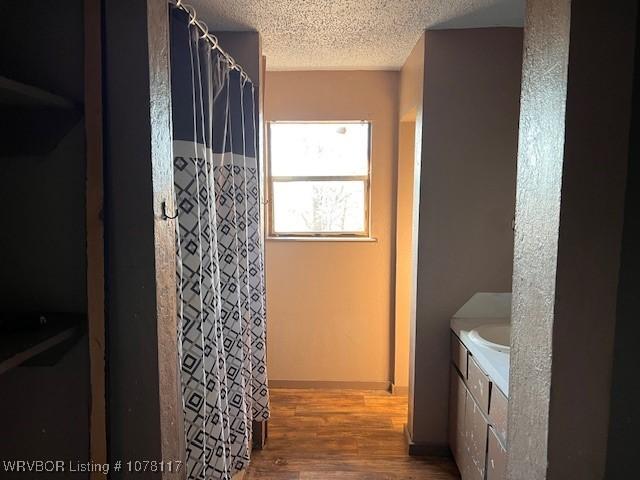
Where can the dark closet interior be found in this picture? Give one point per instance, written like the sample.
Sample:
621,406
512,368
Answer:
44,352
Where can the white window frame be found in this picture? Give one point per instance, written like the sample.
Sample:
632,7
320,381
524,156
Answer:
366,179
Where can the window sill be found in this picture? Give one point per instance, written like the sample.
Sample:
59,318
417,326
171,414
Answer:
322,239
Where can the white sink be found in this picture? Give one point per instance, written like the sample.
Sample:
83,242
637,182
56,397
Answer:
494,335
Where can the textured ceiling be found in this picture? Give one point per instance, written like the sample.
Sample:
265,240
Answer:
349,34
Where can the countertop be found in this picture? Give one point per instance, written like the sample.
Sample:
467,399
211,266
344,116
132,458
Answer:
494,363
481,309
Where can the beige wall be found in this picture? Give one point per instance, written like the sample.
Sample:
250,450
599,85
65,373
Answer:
409,147
404,220
330,304
466,198
412,81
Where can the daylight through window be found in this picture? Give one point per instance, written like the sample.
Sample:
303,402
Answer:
319,178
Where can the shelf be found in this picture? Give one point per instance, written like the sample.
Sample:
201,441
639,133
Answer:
33,120
16,94
46,342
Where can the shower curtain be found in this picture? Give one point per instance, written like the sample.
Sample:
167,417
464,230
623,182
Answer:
221,295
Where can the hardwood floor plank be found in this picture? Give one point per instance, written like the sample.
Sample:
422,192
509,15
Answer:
341,435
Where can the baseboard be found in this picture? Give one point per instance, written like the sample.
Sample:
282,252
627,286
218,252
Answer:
399,390
326,385
424,449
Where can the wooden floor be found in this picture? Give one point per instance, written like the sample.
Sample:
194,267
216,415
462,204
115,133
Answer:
341,434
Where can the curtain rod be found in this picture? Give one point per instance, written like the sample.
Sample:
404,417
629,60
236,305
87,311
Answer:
212,39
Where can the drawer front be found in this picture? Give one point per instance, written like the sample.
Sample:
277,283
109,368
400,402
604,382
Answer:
496,458
476,426
498,412
459,355
478,385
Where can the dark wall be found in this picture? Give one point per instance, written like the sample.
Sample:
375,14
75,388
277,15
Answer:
44,410
572,162
467,197
41,43
596,140
144,394
42,239
133,428
624,422
44,413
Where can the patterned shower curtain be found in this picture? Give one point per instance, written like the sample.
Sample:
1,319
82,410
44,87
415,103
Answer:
221,295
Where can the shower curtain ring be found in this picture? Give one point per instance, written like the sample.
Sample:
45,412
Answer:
204,27
192,13
165,215
214,42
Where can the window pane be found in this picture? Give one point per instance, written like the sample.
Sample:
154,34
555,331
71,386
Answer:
318,207
319,149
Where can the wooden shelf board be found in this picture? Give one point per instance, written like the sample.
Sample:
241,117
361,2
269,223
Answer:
17,94
18,347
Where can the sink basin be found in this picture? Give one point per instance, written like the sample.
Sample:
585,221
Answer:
494,335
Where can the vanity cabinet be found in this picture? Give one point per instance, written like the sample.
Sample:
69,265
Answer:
498,412
478,384
459,355
477,418
496,457
475,432
457,403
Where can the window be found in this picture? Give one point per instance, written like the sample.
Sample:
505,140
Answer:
319,179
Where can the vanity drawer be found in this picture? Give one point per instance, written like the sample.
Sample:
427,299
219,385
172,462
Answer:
459,355
498,412
478,384
496,458
475,426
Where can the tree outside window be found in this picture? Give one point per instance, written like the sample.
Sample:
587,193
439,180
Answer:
319,178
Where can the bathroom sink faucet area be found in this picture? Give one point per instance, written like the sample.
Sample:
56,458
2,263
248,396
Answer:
493,335
483,325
